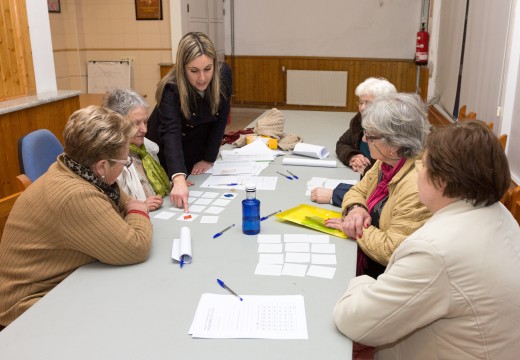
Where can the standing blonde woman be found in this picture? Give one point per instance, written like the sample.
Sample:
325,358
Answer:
193,103
74,214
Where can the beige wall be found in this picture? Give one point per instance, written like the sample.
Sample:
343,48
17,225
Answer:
107,30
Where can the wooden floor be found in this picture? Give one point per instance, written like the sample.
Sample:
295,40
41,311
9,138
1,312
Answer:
241,117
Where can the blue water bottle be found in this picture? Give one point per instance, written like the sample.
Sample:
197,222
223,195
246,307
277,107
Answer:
251,212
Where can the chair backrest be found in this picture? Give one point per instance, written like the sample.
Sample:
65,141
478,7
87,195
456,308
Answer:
37,151
503,141
6,204
515,204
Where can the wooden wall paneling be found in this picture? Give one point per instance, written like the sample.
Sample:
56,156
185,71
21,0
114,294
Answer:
258,80
25,52
52,116
16,56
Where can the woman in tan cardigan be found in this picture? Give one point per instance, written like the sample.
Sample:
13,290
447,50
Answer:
74,214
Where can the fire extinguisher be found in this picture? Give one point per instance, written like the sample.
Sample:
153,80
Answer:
421,49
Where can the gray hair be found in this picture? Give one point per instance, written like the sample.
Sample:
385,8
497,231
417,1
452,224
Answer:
124,100
375,87
400,120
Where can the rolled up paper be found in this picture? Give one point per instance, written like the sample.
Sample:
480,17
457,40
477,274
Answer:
182,247
315,151
309,162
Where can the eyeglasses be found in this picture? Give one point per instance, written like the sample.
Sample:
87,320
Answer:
371,137
126,163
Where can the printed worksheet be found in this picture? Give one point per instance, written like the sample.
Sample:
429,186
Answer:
257,316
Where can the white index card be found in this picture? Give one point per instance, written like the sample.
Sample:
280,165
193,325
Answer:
323,259
298,257
321,271
268,269
214,210
209,195
323,248
294,269
209,219
269,248
318,239
196,193
221,202
197,208
165,215
269,239
202,201
271,259
297,247
299,238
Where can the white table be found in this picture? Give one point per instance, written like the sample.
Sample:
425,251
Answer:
144,311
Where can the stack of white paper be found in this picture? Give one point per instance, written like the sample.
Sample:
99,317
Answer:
260,317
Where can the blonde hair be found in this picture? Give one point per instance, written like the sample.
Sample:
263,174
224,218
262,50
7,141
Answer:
96,133
191,46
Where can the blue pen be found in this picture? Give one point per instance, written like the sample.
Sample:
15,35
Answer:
221,283
182,261
268,216
223,231
294,176
230,184
285,176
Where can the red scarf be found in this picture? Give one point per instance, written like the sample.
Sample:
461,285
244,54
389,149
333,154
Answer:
379,193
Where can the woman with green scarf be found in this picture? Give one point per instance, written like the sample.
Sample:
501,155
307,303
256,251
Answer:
145,179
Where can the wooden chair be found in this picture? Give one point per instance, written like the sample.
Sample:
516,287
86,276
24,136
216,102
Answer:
463,116
23,182
514,202
6,204
503,141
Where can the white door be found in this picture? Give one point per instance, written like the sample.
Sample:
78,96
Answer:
207,16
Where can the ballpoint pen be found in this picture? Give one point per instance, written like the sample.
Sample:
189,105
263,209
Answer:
294,176
182,261
221,283
268,216
230,184
222,231
285,176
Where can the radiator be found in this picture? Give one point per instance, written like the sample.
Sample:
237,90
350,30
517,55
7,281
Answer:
322,88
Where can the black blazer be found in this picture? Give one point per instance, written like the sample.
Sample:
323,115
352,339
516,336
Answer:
184,142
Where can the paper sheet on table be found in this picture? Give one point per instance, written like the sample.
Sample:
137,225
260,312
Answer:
315,182
256,151
261,182
226,167
257,317
182,246
309,162
315,151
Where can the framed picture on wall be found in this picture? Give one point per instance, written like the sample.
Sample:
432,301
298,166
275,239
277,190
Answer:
54,6
148,10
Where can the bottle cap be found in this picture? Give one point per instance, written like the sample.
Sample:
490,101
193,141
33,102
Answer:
250,187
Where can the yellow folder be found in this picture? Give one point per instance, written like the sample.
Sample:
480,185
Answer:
312,217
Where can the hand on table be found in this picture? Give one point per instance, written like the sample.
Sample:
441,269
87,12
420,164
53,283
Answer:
153,202
179,193
321,195
201,167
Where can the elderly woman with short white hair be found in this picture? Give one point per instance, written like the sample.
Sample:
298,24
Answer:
350,148
384,208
